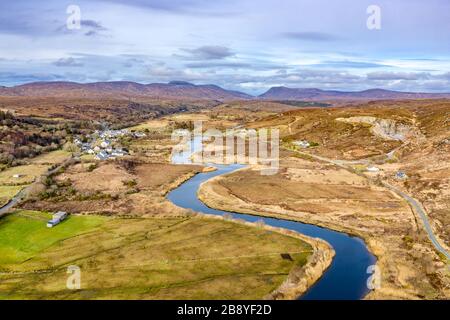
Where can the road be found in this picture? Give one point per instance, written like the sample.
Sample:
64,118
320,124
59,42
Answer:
415,205
24,192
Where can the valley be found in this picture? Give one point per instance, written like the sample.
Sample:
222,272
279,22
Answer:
335,164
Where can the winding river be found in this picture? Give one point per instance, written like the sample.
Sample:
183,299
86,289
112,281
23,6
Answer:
345,279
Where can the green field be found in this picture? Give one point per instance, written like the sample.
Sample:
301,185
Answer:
24,234
171,258
8,192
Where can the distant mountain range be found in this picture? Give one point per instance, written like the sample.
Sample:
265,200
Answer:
186,90
284,93
124,89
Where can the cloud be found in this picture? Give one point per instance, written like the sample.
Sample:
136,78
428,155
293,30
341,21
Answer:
12,78
67,62
349,64
94,27
310,36
180,7
207,53
229,65
398,76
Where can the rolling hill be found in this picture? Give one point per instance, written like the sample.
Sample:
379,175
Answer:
313,94
123,89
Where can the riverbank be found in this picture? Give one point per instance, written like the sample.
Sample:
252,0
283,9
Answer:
401,273
300,278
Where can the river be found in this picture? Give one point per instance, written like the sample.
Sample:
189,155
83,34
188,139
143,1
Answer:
345,279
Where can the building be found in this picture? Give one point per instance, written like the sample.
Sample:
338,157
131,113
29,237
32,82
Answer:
373,169
118,153
105,144
303,144
57,219
139,134
17,176
102,155
400,175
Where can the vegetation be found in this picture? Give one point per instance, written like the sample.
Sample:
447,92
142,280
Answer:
8,192
24,234
26,174
173,258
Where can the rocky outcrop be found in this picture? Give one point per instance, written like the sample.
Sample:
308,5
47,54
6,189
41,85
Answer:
385,128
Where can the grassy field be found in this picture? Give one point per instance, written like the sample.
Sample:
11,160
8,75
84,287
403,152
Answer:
7,192
172,258
54,157
27,174
24,234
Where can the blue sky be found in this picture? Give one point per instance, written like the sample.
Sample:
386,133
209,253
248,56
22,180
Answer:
246,45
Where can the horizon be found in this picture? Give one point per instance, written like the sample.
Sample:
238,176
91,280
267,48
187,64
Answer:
239,45
183,82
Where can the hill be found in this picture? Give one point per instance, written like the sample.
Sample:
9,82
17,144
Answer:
123,89
313,94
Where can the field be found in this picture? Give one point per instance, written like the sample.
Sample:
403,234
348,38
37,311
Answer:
27,174
173,258
51,158
346,198
127,187
24,234
7,192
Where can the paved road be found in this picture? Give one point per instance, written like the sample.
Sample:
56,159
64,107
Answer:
423,216
417,207
24,192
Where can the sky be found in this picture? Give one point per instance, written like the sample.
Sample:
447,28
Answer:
245,45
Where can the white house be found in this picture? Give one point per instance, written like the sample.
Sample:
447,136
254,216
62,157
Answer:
373,169
303,143
105,144
102,155
57,219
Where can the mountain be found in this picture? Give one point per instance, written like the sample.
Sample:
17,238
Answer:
123,89
182,90
284,93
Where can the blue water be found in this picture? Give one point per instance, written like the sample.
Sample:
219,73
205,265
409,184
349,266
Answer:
345,279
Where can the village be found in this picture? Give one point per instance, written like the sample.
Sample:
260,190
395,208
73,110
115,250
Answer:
105,144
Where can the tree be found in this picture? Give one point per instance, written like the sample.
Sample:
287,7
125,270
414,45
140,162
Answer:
71,147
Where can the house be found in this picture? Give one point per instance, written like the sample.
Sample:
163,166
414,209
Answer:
373,169
139,134
401,175
118,153
303,144
97,149
57,219
105,144
17,176
102,155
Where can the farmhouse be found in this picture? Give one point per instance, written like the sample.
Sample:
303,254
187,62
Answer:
401,175
57,219
303,144
373,169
